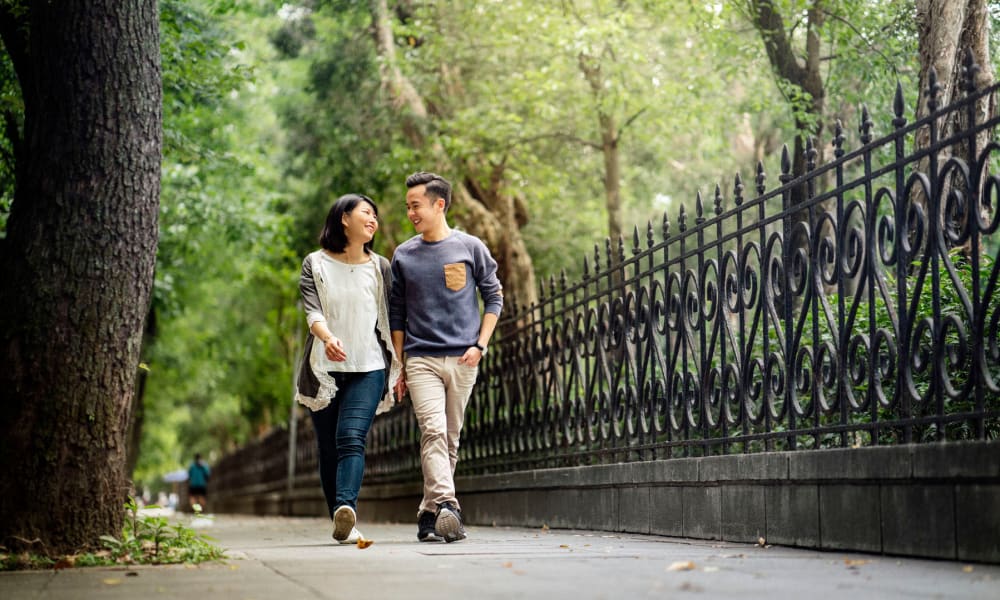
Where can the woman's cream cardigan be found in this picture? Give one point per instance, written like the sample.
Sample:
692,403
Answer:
315,387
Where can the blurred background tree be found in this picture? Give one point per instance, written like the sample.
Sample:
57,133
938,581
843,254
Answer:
561,122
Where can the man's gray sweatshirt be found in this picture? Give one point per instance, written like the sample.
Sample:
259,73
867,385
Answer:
433,296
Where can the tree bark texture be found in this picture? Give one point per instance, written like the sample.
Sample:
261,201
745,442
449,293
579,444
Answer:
77,264
948,29
486,211
805,75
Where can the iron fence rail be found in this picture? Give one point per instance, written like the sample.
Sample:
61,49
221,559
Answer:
853,305
863,314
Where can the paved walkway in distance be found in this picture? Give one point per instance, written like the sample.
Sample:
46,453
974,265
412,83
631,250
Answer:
290,558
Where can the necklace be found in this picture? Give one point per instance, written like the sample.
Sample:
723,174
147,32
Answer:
347,262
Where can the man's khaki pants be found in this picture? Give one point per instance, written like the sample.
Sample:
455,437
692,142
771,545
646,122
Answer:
439,389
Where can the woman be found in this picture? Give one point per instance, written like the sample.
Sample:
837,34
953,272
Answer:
348,353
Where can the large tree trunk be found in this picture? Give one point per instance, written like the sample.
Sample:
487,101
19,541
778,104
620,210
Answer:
487,213
948,30
77,264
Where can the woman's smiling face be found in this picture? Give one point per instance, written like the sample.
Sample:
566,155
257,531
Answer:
360,224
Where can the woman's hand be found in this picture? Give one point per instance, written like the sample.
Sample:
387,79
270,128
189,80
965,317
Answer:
400,388
335,349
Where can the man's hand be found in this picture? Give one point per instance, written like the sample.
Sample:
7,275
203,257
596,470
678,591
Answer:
471,357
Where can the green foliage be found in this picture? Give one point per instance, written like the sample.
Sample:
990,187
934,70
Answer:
145,540
12,113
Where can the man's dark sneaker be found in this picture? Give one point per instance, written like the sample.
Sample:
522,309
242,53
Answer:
449,523
425,527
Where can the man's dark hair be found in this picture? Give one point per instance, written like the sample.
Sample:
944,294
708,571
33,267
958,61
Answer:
437,186
333,237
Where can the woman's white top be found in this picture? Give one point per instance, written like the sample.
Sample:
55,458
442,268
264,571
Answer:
352,311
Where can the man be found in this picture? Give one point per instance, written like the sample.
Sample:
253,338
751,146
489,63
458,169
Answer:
198,474
436,328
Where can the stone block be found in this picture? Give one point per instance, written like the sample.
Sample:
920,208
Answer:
972,460
666,514
849,517
679,470
702,512
918,520
501,508
586,508
850,464
633,509
792,515
977,517
743,513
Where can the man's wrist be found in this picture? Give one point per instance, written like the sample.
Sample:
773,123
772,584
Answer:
482,348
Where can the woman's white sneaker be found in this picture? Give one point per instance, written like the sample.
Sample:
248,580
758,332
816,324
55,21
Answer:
344,519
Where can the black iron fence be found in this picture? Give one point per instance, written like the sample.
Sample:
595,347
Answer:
854,305
865,314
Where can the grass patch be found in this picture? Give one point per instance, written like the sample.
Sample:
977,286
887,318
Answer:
145,540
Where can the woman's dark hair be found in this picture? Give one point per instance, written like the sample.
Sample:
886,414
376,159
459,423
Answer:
333,237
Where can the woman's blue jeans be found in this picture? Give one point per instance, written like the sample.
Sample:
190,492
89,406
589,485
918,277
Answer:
341,431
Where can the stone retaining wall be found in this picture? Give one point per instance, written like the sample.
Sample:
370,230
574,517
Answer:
928,500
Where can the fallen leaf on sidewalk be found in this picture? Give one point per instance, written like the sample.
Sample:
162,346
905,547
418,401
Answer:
681,565
508,565
967,569
545,527
363,543
564,545
855,562
112,581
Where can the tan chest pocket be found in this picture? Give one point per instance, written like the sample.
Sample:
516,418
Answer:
454,276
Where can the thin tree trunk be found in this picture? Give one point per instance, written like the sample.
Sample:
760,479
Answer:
490,215
77,264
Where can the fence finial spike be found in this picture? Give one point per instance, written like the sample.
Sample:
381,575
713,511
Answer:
682,219
635,239
738,190
586,267
838,139
563,282
865,127
811,153
760,178
649,233
969,71
898,102
933,89
786,162
666,225
621,248
699,209
718,199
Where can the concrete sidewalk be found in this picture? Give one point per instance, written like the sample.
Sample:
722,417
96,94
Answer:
290,558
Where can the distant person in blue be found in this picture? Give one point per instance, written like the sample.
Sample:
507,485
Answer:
198,475
436,327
